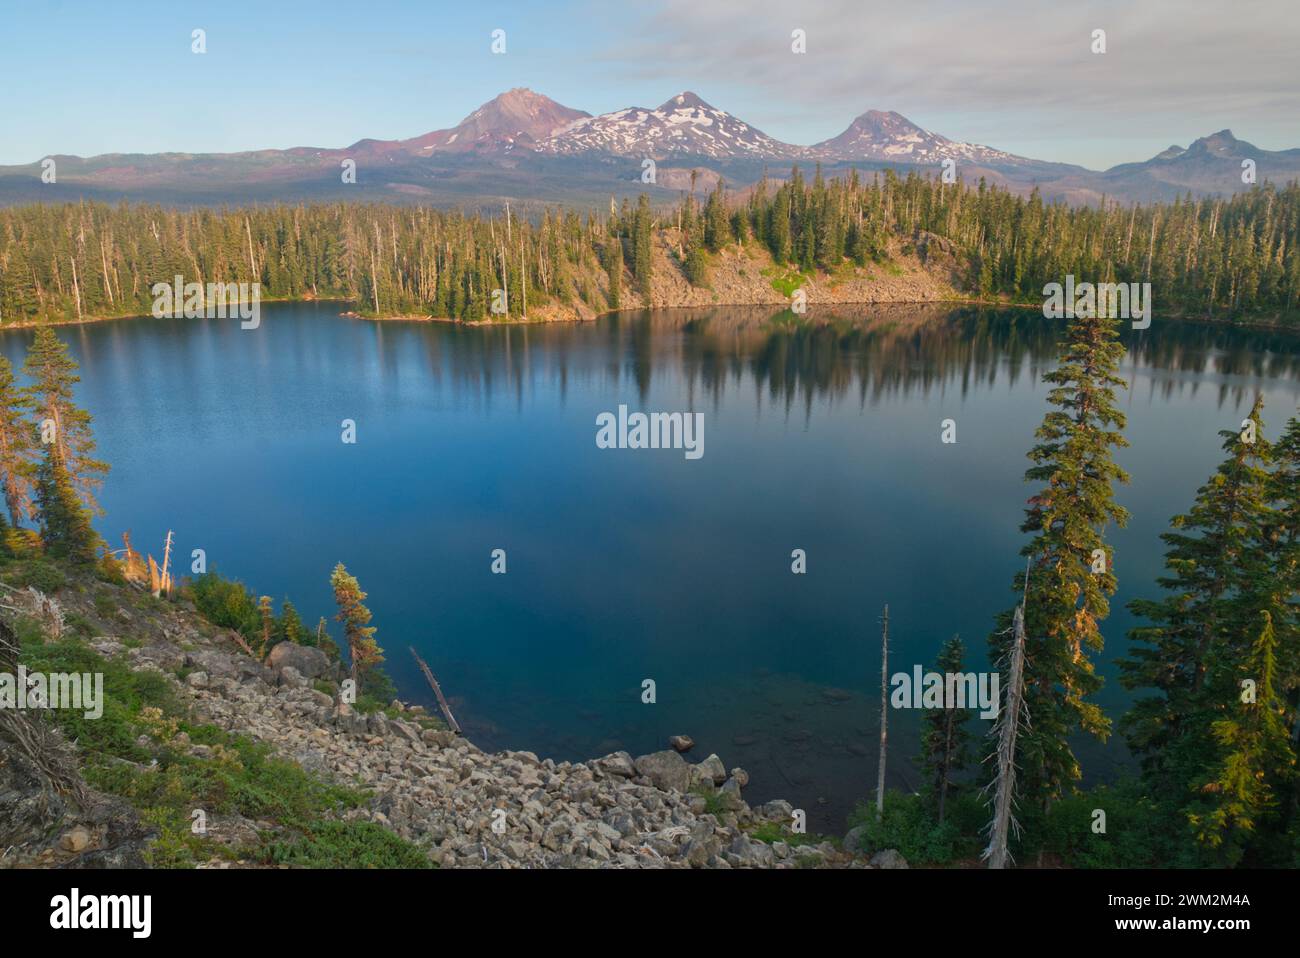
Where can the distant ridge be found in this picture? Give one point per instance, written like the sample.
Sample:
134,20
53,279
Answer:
522,144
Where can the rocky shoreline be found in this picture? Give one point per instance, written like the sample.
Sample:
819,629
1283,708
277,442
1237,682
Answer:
461,806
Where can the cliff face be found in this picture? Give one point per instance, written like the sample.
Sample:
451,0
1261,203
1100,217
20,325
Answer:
925,269
423,785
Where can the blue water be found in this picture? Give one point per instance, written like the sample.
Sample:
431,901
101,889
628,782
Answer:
625,565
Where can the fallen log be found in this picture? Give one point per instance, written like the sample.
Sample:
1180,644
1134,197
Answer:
433,683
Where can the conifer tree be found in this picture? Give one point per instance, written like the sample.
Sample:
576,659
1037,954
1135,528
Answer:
17,447
290,627
268,624
1071,569
945,742
1198,632
359,634
1256,756
68,475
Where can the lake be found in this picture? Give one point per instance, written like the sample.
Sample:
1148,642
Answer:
821,434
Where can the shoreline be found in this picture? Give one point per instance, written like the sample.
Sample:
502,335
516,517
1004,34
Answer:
573,316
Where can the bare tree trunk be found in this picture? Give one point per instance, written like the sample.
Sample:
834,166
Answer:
76,287
884,712
437,690
1008,725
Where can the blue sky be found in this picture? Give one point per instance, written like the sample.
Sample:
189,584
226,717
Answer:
98,77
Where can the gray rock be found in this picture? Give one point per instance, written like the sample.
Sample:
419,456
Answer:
741,776
682,743
730,796
215,664
617,763
853,839
778,810
714,768
889,858
440,738
405,730
309,661
197,680
752,853
293,678
665,769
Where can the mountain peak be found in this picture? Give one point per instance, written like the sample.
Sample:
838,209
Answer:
1222,143
886,136
684,100
517,115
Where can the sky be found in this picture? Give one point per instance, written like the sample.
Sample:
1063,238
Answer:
87,78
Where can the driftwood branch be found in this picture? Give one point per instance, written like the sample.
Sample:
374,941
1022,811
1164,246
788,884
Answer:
437,691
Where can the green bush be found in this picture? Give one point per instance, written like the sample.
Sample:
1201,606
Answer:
226,603
43,575
910,826
335,844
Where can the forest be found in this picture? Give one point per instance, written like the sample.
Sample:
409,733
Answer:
1216,258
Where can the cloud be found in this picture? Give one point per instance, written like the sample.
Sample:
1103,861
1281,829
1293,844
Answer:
1016,69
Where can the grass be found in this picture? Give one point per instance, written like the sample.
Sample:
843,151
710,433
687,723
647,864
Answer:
140,750
769,832
713,804
786,283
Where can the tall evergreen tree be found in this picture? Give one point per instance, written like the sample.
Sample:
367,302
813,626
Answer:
17,447
1071,569
1187,655
1256,756
68,474
945,742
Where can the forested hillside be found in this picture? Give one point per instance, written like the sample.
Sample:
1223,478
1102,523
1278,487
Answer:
1233,258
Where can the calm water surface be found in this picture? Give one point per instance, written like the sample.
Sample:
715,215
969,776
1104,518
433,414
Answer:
821,435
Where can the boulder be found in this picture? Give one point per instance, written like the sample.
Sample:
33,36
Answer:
666,769
741,776
889,858
713,767
216,665
617,763
730,796
292,677
853,839
310,662
752,853
682,743
777,810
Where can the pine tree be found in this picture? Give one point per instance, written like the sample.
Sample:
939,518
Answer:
1198,631
290,627
1070,575
268,625
945,742
613,256
642,250
1256,754
359,635
65,428
17,447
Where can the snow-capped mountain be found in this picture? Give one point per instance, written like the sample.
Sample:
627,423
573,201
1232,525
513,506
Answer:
892,137
518,118
684,124
525,145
